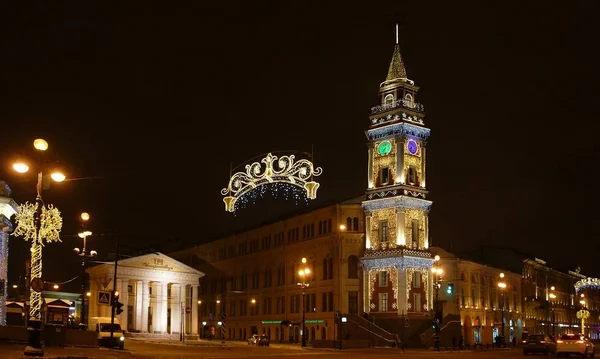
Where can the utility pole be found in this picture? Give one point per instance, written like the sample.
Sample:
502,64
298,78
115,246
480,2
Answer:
113,307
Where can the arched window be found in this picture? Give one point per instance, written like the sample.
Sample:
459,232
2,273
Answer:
408,98
353,267
330,269
349,224
355,224
388,99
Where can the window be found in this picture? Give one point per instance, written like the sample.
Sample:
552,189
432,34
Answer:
325,273
330,269
383,279
383,231
330,301
349,223
355,224
353,267
384,176
383,302
408,98
412,176
388,99
417,302
415,232
416,279
324,302
329,225
353,302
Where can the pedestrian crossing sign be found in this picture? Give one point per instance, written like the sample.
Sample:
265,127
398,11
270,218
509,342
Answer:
104,298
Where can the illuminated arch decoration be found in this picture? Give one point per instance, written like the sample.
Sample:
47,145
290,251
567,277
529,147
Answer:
276,170
591,283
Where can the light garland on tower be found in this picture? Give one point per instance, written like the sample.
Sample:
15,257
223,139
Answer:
49,231
277,170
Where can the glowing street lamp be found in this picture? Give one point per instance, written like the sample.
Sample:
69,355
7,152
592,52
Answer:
304,273
552,297
502,286
37,223
437,282
82,253
583,313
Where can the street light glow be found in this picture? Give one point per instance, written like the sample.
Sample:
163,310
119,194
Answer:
253,301
58,176
40,144
343,227
20,167
85,216
56,285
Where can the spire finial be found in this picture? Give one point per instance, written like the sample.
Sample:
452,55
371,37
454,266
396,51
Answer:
396,33
397,70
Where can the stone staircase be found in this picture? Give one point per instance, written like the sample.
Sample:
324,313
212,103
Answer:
359,328
450,328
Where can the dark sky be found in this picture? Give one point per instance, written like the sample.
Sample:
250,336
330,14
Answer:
159,98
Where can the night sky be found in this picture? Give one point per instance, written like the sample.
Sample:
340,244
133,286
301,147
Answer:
155,101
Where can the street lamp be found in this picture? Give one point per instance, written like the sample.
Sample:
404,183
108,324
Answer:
437,282
583,313
502,286
304,273
38,223
84,255
552,296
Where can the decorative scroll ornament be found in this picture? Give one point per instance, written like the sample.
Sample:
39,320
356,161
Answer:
50,226
591,283
282,169
583,314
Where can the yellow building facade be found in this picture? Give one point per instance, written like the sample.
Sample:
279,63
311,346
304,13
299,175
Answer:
251,278
471,290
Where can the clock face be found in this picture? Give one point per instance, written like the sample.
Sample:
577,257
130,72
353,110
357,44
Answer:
412,147
384,148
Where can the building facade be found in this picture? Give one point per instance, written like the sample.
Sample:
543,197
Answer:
8,207
397,263
471,290
251,281
159,294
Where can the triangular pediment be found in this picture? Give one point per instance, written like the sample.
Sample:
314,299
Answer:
157,261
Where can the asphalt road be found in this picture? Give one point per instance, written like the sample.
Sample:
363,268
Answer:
148,350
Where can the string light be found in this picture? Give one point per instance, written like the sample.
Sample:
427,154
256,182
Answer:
286,191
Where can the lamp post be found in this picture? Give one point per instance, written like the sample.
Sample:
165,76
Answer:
502,286
84,255
38,223
437,282
552,297
304,273
583,313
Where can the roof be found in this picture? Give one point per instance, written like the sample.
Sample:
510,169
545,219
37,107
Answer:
397,69
132,260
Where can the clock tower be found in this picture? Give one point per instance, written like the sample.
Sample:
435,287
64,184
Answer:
397,263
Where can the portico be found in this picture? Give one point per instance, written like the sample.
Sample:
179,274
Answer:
159,293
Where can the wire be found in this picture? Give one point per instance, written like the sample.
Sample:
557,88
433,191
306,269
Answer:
65,282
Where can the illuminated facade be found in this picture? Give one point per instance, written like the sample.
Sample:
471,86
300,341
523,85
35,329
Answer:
471,290
397,263
251,283
8,207
156,290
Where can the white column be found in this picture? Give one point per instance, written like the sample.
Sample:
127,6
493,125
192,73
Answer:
370,183
400,160
400,225
367,290
175,306
430,289
426,244
423,164
139,294
194,309
145,305
183,303
368,230
156,306
164,306
125,300
402,300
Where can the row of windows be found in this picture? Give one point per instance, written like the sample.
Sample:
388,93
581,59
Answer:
278,239
215,286
385,233
385,177
240,307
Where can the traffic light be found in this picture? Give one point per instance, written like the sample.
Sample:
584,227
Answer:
118,309
450,289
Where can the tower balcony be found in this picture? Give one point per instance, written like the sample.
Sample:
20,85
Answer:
402,103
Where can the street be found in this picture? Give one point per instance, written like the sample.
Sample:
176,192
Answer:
148,350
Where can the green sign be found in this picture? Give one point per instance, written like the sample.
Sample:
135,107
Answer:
271,321
309,321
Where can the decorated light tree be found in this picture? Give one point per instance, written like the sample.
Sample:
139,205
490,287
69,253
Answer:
38,224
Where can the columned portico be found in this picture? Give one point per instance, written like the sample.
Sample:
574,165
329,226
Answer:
155,287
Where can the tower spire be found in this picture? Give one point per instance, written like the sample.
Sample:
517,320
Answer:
397,70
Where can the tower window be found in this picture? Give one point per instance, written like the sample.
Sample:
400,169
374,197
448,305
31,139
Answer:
388,99
412,175
383,279
385,175
383,231
415,232
408,99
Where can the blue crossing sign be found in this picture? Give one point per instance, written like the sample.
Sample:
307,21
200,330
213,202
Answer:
104,298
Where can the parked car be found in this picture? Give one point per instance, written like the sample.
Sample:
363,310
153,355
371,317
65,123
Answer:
574,344
263,341
253,339
539,343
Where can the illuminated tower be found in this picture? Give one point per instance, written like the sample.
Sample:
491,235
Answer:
397,263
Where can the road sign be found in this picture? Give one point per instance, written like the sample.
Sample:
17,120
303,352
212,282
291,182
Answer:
37,284
104,298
